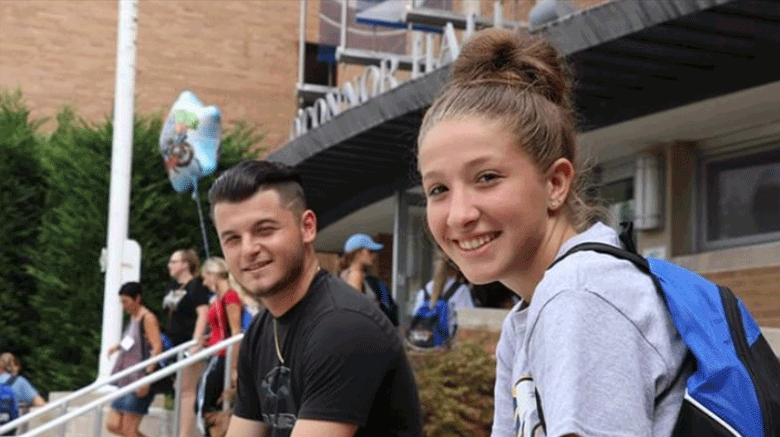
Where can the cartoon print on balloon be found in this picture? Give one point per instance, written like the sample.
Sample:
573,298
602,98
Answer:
190,141
178,154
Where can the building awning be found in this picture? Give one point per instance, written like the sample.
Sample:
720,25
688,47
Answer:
631,58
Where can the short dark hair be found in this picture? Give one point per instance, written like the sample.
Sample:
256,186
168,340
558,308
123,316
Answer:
130,289
244,179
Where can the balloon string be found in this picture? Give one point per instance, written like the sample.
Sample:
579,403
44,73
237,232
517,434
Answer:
196,196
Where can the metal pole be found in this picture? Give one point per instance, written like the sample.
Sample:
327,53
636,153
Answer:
64,425
226,381
416,41
177,397
400,225
302,43
343,24
121,167
98,420
498,14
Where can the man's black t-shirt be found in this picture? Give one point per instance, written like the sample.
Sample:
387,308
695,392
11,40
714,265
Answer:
181,323
343,362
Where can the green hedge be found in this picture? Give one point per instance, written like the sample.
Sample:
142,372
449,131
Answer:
21,200
60,342
456,388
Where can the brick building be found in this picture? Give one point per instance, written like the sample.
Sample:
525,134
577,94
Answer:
712,152
241,55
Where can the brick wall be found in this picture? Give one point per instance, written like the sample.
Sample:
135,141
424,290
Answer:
240,55
758,288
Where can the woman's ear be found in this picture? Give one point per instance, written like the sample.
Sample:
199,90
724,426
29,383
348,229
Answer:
559,182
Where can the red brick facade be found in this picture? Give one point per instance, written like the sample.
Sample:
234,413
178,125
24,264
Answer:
241,55
758,288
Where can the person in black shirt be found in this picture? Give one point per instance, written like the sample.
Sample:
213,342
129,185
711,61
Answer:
187,302
320,360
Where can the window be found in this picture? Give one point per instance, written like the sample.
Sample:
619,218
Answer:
616,189
741,202
320,64
320,68
619,198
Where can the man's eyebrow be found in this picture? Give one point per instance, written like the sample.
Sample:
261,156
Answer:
263,221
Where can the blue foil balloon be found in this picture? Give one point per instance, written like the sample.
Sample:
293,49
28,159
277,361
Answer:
190,141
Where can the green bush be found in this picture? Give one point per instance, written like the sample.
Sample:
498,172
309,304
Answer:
60,210
456,389
21,197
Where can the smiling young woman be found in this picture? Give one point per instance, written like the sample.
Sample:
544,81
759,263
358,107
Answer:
591,343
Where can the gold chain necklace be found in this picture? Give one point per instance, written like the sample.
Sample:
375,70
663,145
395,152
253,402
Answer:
276,343
276,332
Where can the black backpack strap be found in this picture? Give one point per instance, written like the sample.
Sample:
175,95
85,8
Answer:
617,252
539,411
10,380
627,236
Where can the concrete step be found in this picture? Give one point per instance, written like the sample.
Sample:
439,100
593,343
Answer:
158,423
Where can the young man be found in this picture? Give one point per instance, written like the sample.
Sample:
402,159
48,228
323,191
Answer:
360,253
322,360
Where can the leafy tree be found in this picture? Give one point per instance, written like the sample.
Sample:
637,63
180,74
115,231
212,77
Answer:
69,299
21,197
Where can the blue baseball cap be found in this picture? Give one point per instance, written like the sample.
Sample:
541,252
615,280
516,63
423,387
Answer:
361,241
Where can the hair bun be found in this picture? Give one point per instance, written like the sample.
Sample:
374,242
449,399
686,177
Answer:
501,56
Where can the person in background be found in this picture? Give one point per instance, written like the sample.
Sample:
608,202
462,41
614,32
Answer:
187,302
140,340
224,319
26,394
360,253
444,277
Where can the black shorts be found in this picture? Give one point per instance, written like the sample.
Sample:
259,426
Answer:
210,386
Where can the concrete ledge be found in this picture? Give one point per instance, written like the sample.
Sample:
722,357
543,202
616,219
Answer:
772,336
489,319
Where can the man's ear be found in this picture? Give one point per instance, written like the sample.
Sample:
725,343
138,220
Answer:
559,182
309,226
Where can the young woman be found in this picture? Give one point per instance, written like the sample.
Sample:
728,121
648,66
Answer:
590,349
25,393
140,340
187,302
224,318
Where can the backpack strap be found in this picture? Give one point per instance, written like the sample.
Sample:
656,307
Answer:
451,290
9,382
617,252
627,236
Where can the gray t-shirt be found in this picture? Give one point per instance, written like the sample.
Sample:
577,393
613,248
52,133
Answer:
598,345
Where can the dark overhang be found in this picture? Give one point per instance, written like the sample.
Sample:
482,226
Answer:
631,58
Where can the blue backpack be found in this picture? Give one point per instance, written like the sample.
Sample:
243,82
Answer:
246,318
386,302
430,327
735,387
9,409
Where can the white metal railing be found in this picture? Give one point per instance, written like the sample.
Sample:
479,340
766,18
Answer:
97,404
63,403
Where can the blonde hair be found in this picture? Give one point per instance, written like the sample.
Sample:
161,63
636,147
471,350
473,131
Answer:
8,361
216,266
442,269
520,81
